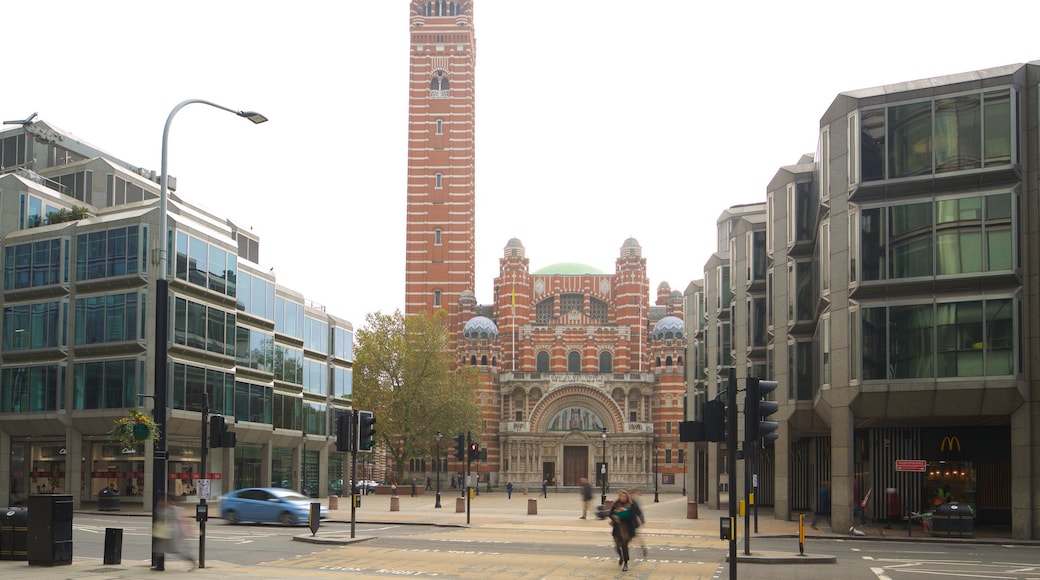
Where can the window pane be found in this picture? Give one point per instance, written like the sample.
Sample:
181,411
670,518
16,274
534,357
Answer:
872,145
958,135
909,140
999,249
997,135
912,351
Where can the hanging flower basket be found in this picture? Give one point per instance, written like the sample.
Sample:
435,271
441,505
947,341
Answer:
134,429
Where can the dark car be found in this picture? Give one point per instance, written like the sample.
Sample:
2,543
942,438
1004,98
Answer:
267,505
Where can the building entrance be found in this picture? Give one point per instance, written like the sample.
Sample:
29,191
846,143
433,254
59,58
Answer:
575,464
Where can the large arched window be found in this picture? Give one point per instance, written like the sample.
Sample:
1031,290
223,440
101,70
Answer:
606,362
542,362
574,362
543,312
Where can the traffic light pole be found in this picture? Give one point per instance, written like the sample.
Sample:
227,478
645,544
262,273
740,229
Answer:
731,448
204,475
469,471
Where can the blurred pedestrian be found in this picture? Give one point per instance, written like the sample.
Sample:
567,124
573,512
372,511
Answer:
895,507
169,530
413,489
509,490
622,525
545,488
586,496
637,518
823,503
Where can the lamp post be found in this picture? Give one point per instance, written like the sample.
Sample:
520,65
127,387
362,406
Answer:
657,498
162,295
438,436
603,470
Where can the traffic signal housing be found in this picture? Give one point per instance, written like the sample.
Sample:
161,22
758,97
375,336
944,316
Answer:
344,427
714,421
219,435
460,447
474,451
756,411
366,431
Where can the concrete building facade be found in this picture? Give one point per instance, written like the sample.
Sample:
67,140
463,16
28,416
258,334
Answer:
900,302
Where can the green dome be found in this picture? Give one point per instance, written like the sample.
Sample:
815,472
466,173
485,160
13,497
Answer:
567,269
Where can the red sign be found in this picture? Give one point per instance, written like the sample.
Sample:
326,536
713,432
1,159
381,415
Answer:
919,465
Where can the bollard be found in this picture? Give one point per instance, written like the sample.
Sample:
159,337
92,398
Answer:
333,502
113,546
532,506
395,504
691,510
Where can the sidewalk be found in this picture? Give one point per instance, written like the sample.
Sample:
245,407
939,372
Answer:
558,512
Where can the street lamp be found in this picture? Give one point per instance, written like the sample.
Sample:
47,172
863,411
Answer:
657,499
603,469
438,436
162,296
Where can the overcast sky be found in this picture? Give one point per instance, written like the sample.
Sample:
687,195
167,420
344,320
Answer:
597,120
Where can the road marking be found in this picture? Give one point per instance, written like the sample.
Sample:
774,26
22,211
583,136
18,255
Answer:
880,573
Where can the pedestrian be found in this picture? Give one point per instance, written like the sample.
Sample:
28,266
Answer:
860,508
545,488
413,488
488,481
586,496
453,483
823,503
621,520
393,488
895,507
509,490
637,518
169,531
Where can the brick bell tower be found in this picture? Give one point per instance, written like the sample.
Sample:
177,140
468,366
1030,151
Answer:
440,249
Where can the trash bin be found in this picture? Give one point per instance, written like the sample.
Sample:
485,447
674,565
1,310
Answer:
953,520
14,532
395,504
113,546
691,510
532,506
333,502
460,505
108,500
50,529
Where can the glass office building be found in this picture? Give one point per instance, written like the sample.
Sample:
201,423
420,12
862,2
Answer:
80,255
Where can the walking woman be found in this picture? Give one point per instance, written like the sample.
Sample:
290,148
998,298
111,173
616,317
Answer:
623,522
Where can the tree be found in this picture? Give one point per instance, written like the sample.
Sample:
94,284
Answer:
405,372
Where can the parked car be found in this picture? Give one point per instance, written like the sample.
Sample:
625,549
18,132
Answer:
267,505
366,486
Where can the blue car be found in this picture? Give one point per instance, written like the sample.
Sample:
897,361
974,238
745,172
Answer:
267,505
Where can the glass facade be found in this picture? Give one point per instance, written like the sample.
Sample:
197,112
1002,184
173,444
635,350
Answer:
971,338
942,237
109,253
205,265
35,264
953,133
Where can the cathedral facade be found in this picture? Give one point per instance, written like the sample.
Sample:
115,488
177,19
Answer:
582,375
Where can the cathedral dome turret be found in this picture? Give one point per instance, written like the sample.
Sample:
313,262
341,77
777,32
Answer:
480,327
668,327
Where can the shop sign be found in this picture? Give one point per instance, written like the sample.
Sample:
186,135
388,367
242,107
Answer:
918,465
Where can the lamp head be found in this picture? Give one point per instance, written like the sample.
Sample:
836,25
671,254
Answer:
252,116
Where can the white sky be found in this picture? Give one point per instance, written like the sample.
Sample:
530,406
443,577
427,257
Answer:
596,119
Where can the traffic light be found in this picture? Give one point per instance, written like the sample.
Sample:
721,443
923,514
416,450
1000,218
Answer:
219,436
715,421
344,427
756,410
474,451
460,447
366,431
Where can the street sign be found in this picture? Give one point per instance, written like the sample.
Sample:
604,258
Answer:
919,465
202,489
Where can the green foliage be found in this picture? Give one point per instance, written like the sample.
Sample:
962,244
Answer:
405,372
